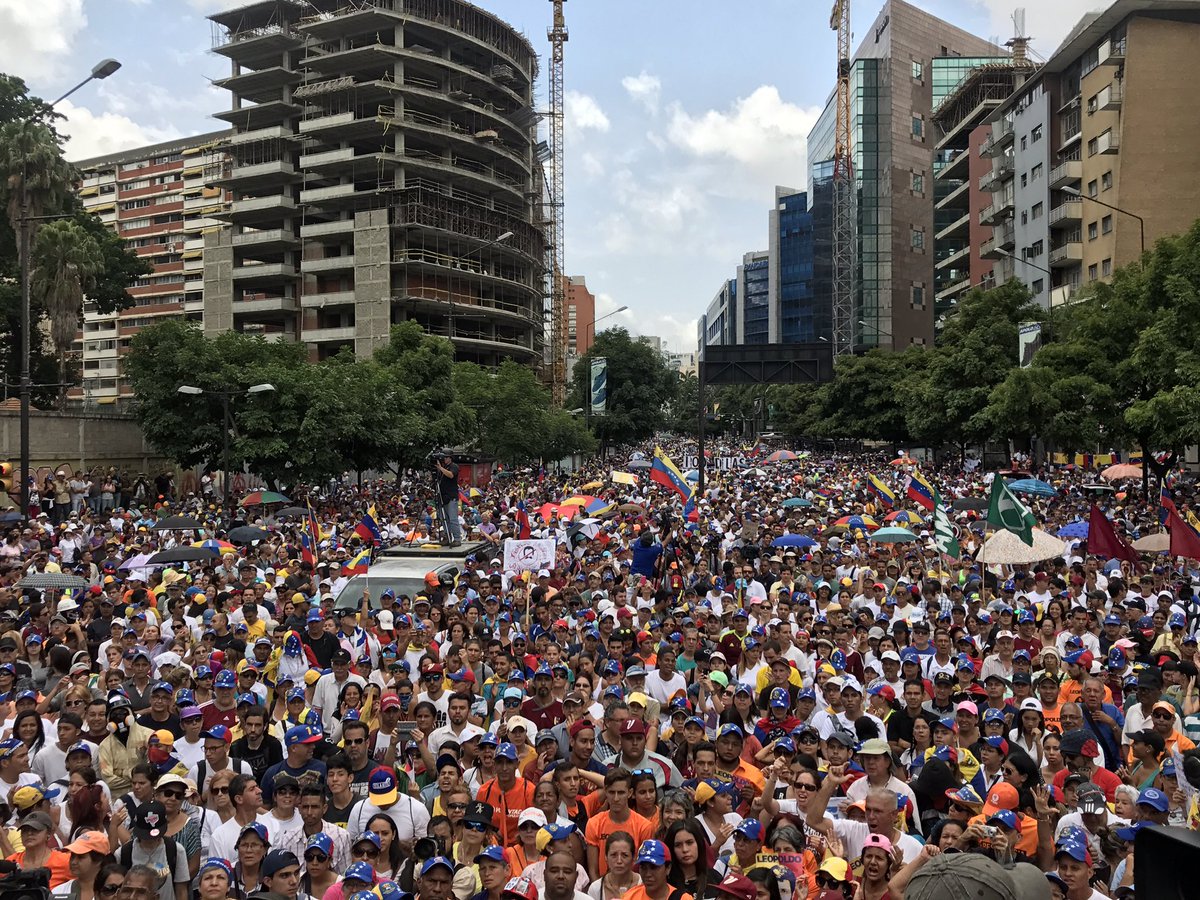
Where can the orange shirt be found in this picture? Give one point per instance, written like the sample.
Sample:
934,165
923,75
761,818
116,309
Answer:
750,773
1052,717
1027,842
508,805
59,865
638,892
601,825
1070,691
517,860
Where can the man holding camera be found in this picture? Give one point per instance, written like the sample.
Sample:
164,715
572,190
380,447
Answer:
447,486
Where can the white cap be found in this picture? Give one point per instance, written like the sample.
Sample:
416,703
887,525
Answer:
543,573
1031,703
386,620
1005,634
533,814
889,654
644,603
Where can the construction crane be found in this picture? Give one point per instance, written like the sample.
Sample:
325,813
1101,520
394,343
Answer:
844,216
557,34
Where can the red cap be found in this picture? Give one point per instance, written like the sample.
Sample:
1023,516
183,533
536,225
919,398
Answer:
435,669
737,886
389,701
624,613
644,636
95,589
633,726
561,623
584,725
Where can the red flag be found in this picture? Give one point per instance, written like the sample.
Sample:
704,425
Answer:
1184,540
1103,541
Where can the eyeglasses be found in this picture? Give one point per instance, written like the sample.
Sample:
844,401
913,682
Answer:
803,786
456,806
110,889
511,704
827,881
219,790
642,772
353,742
1165,716
315,857
75,703
174,795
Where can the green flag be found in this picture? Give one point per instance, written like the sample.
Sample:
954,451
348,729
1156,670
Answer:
1007,512
943,529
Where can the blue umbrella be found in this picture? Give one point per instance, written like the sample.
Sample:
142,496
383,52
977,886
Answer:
1074,530
796,501
794,540
1033,486
691,475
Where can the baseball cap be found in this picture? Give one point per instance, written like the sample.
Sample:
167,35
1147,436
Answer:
365,872
738,886
494,853
951,876
653,853
506,751
520,887
1090,798
1001,796
301,734
278,860
1155,799
150,820
751,829
1005,817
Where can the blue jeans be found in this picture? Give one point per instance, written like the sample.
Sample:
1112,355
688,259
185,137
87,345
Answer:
450,517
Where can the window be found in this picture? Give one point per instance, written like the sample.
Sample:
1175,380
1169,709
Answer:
918,296
1036,249
918,183
1092,231
918,69
918,127
1023,144
1092,272
1091,105
1024,217
1036,212
1036,172
918,238
1106,181
1035,134
1024,179
1038,285
1093,147
1106,224
1106,267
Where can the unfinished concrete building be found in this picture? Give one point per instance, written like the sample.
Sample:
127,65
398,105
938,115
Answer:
384,166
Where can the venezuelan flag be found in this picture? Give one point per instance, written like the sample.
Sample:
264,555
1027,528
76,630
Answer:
881,490
1166,505
919,490
664,472
368,528
358,565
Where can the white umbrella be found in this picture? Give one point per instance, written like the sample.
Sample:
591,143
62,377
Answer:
1159,542
1006,548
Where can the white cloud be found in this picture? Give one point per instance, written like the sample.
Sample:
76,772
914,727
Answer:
607,305
761,131
584,112
592,165
644,89
36,38
664,207
90,134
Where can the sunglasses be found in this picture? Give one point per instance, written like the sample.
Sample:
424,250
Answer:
353,742
219,790
1164,716
109,889
365,851
178,795
74,703
827,881
805,786
475,826
316,857
456,806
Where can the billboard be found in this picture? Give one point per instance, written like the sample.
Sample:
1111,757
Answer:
599,382
1029,342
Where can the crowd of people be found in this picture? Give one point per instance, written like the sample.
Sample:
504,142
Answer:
730,693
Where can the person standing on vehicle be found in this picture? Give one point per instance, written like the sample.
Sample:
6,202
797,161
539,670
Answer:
447,483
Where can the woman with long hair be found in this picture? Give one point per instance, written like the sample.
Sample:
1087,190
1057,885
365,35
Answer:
690,870
349,702
219,808
912,760
1028,729
28,729
524,852
645,797
1052,759
35,657
766,883
743,711
391,854
619,854
87,810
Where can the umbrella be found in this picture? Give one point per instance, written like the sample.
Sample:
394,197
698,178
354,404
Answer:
216,546
247,534
262,498
758,472
894,535
593,485
181,555
1006,548
474,493
640,464
1159,542
796,501
1033,486
903,461
691,475
578,500
1073,530
176,523
782,456
297,511
140,561
966,504
41,581
794,540
1105,488
902,517
857,522
547,510
631,508
1121,470
589,528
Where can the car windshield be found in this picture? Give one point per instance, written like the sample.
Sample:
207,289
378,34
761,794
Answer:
351,594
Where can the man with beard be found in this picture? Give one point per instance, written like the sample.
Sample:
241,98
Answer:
255,747
542,708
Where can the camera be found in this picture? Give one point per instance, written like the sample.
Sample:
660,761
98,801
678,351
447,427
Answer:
428,847
18,885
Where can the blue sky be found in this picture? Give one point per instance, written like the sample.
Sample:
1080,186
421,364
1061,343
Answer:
682,116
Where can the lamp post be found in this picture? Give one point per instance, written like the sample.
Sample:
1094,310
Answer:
492,243
879,332
591,332
100,71
1007,254
1072,192
226,426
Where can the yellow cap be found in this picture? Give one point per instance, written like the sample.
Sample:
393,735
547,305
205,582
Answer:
835,866
27,797
639,698
311,676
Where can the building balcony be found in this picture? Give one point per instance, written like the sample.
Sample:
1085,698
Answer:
327,229
1002,136
259,176
335,192
960,226
260,209
256,273
956,199
1002,171
1002,240
999,208
1069,254
1112,97
953,259
339,334
259,115
1066,174
259,85
1112,54
269,240
264,305
1069,212
274,132
1064,294
327,264
960,285
956,166
1108,143
327,299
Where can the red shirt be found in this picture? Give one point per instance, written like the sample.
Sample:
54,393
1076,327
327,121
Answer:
214,716
1102,778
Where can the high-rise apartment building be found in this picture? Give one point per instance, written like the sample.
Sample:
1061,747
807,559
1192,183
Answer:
160,201
966,92
1107,122
581,316
383,167
718,325
892,97
754,298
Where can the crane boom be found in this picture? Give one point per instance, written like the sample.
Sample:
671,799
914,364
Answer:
557,35
844,216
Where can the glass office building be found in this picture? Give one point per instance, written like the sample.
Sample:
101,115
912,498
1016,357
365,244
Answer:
800,320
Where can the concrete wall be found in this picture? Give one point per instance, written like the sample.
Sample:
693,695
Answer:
372,281
78,440
1037,115
218,282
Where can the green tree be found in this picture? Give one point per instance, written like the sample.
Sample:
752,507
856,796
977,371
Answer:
67,262
640,385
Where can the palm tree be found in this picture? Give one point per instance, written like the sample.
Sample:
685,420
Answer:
66,260
33,168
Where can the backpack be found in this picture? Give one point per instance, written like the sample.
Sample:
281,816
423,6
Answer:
125,855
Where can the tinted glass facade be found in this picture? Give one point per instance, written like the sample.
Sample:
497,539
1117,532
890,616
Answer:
799,316
757,304
870,109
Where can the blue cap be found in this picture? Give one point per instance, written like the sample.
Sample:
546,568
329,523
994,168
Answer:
751,829
226,679
993,715
217,733
489,740
257,828
652,853
1155,799
730,728
1130,833
1005,817
214,862
26,695
302,734
807,694
779,698
248,697
1110,619
908,654
1024,616
432,863
369,836
506,751
296,693
315,615
558,831
786,744
493,853
320,841
1177,621
365,872
1073,849
185,697
162,686
203,672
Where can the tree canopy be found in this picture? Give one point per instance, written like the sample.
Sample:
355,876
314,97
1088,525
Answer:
640,385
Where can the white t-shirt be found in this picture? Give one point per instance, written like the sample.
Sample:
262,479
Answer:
859,790
852,835
662,689
410,817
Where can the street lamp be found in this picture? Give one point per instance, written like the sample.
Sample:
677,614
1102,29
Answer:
100,71
592,333
874,326
1072,192
493,242
226,423
1008,254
